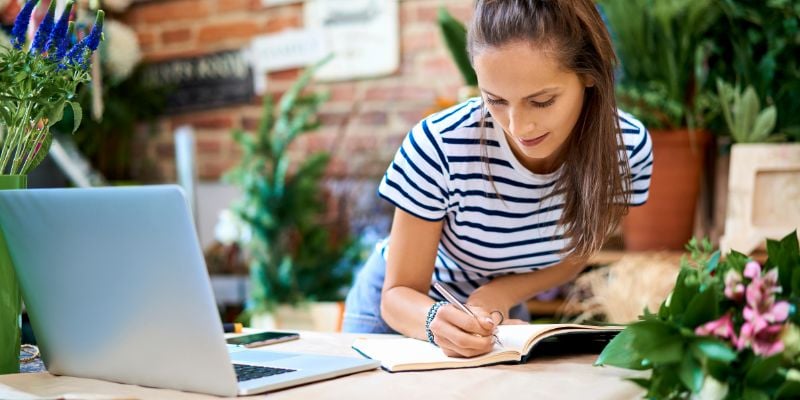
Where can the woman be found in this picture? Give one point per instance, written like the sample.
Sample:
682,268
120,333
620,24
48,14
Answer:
507,195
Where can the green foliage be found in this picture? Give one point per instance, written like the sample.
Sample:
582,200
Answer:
756,43
292,256
663,50
455,37
746,121
681,360
107,141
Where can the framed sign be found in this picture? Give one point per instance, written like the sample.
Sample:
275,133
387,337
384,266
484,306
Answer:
204,82
363,35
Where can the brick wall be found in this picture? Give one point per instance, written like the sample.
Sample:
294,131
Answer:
382,109
364,121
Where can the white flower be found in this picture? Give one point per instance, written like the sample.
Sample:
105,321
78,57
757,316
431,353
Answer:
121,51
712,390
231,229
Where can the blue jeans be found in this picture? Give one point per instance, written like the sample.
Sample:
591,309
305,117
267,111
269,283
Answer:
362,308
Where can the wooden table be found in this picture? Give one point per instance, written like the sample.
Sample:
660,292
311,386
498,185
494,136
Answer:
571,377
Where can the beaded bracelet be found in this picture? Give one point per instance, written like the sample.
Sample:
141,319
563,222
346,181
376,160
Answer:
431,315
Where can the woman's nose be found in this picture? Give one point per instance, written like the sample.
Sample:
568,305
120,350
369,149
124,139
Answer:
520,124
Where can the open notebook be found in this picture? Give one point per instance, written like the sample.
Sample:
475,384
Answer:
519,343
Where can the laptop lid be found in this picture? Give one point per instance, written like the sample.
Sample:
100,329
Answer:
115,285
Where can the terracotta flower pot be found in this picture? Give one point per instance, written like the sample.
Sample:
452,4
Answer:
666,221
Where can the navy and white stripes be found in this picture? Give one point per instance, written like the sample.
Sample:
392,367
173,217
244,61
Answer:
441,172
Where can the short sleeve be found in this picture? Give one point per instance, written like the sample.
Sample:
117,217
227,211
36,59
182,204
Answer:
640,159
416,181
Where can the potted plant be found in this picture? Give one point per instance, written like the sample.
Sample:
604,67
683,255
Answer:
37,81
454,34
663,51
756,47
293,260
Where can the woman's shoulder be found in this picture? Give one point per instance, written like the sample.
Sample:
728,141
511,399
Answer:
457,119
634,133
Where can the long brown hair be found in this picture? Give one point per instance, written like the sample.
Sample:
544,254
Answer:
595,178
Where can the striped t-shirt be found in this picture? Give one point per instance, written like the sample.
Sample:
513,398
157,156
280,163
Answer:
439,173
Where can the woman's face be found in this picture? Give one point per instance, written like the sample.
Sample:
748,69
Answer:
535,101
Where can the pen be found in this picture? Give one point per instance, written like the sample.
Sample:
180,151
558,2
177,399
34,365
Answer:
454,301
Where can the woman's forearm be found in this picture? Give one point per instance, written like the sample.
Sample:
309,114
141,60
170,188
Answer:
504,292
405,310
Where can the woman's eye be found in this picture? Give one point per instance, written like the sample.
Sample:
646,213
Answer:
544,104
495,102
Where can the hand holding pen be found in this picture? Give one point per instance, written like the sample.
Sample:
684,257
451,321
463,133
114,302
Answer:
461,331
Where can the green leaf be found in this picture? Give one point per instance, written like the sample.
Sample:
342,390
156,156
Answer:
788,390
702,308
784,254
686,287
754,394
40,154
713,262
56,113
764,124
762,370
657,342
691,374
641,382
77,115
619,352
455,37
713,349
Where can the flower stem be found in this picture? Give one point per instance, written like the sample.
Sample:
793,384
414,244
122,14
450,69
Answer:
34,148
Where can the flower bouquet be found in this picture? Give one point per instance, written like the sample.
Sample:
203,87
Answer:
37,81
729,330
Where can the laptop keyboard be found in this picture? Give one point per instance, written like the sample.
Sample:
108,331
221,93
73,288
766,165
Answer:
249,372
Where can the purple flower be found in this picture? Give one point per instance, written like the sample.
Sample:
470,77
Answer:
21,24
44,30
88,44
57,42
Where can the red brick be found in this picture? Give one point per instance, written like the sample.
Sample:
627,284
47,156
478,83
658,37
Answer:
411,117
147,40
359,144
163,55
316,142
215,33
403,92
342,92
428,12
224,6
164,11
442,67
202,121
413,42
285,75
332,118
208,146
372,118
211,170
282,22
165,150
176,35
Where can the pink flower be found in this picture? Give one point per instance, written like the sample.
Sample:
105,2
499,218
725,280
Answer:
734,289
765,342
721,328
752,270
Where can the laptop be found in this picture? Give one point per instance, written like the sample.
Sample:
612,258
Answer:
116,288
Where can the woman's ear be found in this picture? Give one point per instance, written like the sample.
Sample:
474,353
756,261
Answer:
588,81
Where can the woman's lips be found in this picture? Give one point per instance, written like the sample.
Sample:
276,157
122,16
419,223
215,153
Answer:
533,142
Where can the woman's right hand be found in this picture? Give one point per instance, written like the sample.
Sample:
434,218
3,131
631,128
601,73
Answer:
461,335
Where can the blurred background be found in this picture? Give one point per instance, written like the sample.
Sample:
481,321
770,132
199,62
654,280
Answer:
184,90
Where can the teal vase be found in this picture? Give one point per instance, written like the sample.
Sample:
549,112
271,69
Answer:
10,300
